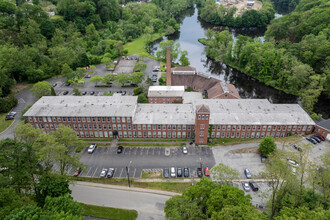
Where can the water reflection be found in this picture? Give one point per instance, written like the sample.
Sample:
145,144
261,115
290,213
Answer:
192,28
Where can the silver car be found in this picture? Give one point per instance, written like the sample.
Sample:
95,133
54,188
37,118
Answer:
104,172
91,148
246,186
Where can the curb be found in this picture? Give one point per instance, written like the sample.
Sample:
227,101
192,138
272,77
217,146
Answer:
133,189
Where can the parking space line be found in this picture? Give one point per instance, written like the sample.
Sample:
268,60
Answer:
148,150
134,172
70,169
159,151
121,172
135,151
153,151
88,171
94,172
142,150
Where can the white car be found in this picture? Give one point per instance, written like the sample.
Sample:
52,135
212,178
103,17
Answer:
293,165
104,172
172,171
185,150
91,148
246,186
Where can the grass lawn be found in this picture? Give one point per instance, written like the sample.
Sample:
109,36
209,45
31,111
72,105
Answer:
108,212
172,187
3,123
97,139
137,46
228,141
152,174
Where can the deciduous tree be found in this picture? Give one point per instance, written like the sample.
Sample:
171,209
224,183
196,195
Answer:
41,89
224,173
267,146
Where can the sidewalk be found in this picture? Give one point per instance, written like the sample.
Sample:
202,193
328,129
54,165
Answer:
133,189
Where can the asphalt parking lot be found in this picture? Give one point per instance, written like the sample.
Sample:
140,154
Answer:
143,158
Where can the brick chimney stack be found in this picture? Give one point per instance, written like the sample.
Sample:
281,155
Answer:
168,65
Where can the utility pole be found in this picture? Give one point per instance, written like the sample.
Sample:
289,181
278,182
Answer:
127,171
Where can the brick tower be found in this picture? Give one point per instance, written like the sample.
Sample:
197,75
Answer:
168,66
202,124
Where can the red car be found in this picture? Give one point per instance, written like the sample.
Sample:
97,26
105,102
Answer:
77,173
206,171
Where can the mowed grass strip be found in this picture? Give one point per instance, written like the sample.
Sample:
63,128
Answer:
3,123
166,186
108,212
151,140
149,144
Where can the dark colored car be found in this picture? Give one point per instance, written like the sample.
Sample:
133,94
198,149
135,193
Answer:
166,173
110,172
92,92
247,173
254,186
65,92
9,117
123,93
263,158
179,172
154,77
55,84
77,173
84,93
186,172
199,172
88,76
320,137
68,84
120,149
311,140
296,147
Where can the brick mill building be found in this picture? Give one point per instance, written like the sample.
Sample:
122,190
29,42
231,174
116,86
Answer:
195,118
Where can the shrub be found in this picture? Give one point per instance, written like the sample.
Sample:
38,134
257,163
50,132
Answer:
137,91
79,149
142,98
267,146
7,103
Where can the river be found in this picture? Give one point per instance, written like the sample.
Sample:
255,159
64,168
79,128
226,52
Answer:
192,28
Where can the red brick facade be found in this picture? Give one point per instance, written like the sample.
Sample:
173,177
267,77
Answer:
321,131
202,124
164,100
168,66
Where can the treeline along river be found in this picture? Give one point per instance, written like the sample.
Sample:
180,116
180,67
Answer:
192,28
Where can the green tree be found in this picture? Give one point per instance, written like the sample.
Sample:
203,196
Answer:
267,146
26,133
76,92
108,78
52,92
184,59
52,186
41,89
142,98
122,79
224,173
96,79
137,91
137,78
175,50
67,72
63,203
140,67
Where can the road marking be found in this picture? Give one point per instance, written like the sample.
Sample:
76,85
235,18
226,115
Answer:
153,151
142,149
88,171
134,172
94,172
148,151
160,150
121,172
69,169
135,151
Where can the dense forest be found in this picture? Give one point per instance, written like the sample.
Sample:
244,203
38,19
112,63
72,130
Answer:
295,57
285,6
36,44
220,15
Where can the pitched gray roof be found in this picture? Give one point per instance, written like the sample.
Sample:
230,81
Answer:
324,124
165,91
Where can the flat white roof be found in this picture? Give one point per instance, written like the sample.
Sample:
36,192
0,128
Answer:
165,91
164,114
116,105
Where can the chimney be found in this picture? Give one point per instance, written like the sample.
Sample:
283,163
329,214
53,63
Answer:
168,66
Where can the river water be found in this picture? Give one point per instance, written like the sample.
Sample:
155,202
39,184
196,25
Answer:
192,28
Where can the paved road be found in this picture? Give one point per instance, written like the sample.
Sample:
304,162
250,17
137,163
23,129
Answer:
143,158
148,205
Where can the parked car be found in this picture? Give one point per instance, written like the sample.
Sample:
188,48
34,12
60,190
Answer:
10,116
186,172
120,149
311,140
154,77
123,93
179,172
77,173
254,186
88,76
172,171
247,173
263,158
91,148
84,93
293,164
296,147
111,172
55,84
246,186
206,171
104,172
199,172
92,93
166,173
185,150
317,139
65,92
67,84
320,137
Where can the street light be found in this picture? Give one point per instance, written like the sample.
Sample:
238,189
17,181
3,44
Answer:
127,170
200,159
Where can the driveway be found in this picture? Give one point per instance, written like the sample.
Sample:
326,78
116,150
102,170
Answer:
148,205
